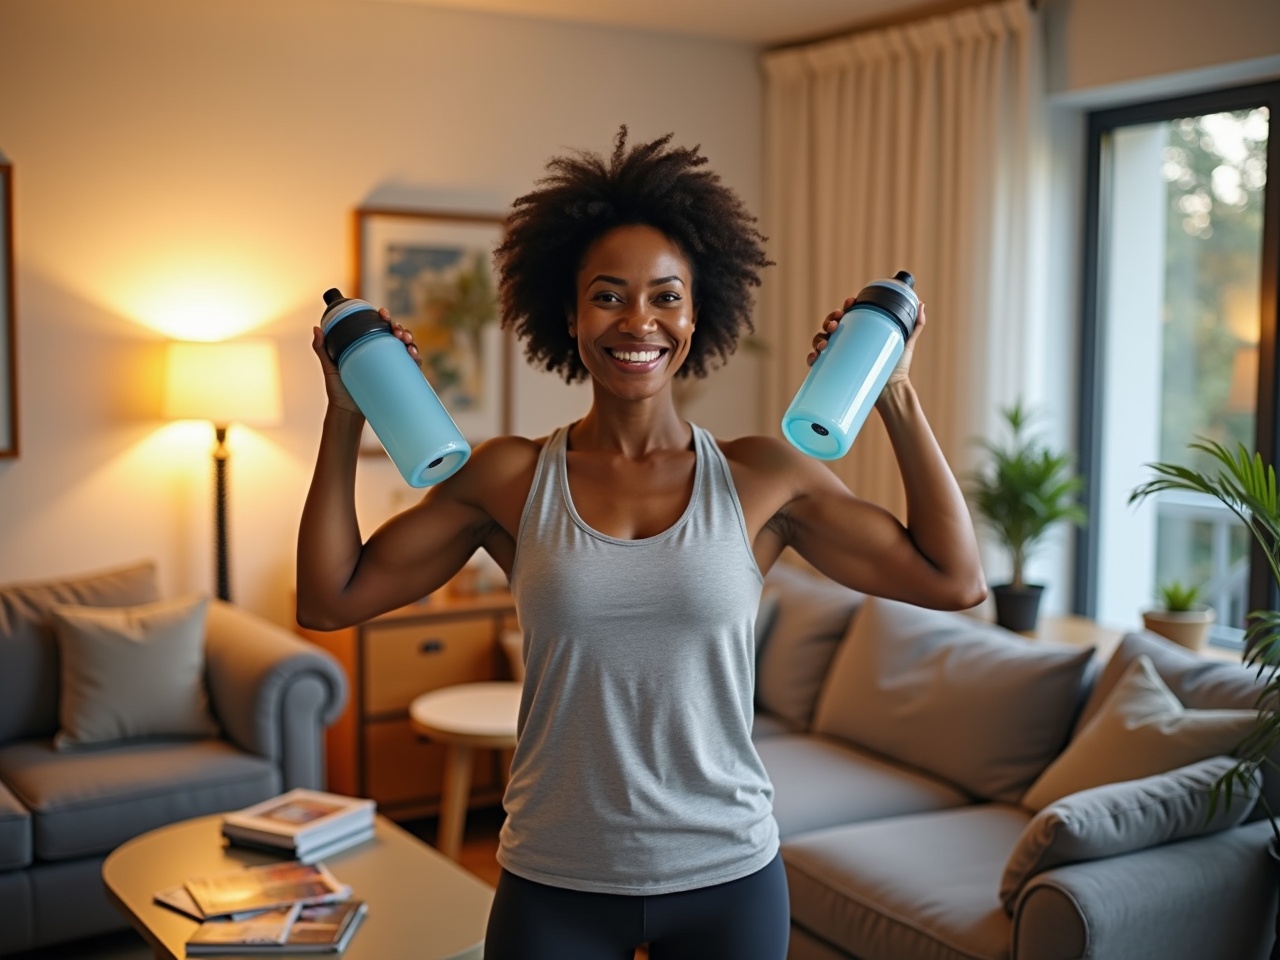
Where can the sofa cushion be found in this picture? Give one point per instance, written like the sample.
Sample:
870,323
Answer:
1119,818
979,706
1141,730
15,832
130,672
923,886
812,617
28,653
819,782
1198,682
88,802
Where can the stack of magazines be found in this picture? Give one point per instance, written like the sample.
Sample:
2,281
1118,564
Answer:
307,825
275,908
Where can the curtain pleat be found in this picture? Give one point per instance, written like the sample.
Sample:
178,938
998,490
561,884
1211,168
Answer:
909,148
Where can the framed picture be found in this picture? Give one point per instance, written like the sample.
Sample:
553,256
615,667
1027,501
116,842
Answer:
434,273
8,344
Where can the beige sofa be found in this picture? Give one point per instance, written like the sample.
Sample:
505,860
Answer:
248,723
903,743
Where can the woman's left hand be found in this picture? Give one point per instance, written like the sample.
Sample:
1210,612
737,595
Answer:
903,368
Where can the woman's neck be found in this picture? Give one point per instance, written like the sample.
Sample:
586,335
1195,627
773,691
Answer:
634,428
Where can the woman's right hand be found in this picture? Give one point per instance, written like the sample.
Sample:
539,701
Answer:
339,396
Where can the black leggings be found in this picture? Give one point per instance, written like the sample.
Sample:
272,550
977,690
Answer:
745,919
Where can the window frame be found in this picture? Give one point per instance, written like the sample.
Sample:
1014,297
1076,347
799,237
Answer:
1100,125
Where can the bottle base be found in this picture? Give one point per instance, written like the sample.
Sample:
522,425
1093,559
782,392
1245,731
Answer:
814,437
439,468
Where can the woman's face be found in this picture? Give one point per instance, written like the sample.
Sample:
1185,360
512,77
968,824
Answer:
634,317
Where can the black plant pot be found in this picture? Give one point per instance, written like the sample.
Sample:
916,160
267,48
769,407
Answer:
1018,607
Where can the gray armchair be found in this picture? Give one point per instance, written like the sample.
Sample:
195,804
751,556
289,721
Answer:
61,812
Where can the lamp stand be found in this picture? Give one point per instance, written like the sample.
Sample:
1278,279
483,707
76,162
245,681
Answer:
220,512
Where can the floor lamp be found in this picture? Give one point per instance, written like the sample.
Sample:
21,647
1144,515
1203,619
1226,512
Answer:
224,383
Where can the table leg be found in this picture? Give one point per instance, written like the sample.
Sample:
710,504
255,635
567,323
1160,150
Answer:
453,805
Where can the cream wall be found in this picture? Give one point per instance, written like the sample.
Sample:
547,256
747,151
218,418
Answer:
199,161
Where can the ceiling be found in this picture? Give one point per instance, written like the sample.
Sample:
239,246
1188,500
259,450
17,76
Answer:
760,22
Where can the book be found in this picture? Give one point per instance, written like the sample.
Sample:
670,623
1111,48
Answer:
267,929
264,887
319,928
299,818
312,853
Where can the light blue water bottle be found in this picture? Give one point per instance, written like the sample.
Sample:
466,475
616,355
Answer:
845,381
404,412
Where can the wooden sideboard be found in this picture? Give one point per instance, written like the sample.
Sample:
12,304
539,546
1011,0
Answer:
372,750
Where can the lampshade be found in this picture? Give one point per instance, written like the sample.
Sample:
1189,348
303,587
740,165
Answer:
230,382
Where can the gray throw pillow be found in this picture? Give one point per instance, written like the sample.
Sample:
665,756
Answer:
979,706
29,652
812,615
1123,817
132,672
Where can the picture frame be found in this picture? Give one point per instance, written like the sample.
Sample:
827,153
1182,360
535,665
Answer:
433,270
8,320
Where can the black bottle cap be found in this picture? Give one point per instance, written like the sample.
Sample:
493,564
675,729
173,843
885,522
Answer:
332,296
900,305
905,278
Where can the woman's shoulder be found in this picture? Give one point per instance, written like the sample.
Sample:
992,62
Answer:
758,452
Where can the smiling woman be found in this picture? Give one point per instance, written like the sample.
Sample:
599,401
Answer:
638,809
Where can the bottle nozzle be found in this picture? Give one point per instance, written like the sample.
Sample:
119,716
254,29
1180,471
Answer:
332,296
901,276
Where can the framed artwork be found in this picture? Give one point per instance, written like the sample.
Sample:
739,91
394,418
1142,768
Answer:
434,272
8,344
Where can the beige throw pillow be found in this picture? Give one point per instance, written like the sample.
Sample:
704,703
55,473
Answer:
131,672
1140,730
981,707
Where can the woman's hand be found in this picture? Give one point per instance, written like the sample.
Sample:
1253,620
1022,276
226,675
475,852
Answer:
900,372
338,394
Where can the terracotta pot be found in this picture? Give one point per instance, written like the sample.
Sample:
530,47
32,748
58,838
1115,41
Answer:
1017,608
1189,628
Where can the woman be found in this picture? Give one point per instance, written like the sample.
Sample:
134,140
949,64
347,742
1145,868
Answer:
637,808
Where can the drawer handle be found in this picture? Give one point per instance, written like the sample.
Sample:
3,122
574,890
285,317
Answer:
431,646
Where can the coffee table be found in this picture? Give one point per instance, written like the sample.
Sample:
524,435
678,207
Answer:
422,906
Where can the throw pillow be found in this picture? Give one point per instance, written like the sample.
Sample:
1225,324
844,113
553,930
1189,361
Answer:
979,706
811,617
132,672
29,650
1140,730
1120,818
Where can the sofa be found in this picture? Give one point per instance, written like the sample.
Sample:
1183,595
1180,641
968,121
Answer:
947,790
120,712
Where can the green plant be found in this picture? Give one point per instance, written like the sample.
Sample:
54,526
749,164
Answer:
1246,485
1024,491
1177,597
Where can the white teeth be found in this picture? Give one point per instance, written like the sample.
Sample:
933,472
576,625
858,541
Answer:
637,356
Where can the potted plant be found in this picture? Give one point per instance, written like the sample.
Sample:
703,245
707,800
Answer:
1180,616
1247,487
1023,492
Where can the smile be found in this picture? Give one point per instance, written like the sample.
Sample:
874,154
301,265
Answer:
637,356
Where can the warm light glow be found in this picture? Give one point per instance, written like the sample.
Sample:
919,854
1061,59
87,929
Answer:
235,382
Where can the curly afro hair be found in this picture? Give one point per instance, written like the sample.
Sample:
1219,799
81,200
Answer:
582,198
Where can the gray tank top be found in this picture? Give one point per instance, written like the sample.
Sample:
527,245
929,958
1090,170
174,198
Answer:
635,772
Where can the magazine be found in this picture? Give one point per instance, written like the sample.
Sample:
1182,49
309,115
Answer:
320,928
177,898
268,929
298,818
264,887
312,853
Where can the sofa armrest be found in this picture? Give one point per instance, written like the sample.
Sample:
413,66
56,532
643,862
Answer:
1154,903
272,692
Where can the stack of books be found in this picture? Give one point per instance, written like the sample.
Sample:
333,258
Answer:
307,825
275,908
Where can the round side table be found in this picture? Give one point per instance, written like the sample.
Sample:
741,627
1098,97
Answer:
464,717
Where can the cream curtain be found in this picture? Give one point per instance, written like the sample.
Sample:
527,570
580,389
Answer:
910,148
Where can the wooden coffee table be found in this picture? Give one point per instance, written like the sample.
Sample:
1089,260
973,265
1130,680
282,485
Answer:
422,906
